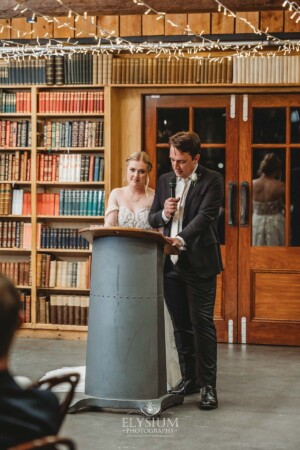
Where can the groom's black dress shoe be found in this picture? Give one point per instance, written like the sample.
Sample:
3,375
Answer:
208,398
185,387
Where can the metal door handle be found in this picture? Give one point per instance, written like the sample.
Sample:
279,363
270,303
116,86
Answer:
244,204
232,191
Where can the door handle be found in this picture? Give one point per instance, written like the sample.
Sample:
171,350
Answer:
232,191
244,204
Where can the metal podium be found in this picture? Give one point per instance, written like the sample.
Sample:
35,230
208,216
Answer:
126,362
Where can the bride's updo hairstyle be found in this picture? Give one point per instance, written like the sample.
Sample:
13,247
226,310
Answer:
270,165
140,156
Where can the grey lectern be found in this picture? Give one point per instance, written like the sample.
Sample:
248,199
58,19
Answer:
125,362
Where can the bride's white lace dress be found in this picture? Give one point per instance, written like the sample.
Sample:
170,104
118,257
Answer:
131,219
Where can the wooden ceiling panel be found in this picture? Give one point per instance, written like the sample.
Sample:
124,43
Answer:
121,7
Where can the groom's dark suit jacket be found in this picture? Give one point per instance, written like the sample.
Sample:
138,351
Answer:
199,228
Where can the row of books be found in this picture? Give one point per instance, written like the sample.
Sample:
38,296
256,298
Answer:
15,102
103,69
62,238
15,234
24,71
71,203
15,133
175,71
26,306
71,102
83,133
70,168
271,70
62,69
15,167
19,272
65,274
63,309
14,201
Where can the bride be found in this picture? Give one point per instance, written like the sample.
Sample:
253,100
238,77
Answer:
129,206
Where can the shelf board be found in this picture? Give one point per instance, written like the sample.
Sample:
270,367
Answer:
67,251
26,325
56,326
15,250
83,218
70,149
9,114
14,216
68,114
70,183
19,286
27,183
64,289
15,149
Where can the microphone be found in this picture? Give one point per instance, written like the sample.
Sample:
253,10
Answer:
172,186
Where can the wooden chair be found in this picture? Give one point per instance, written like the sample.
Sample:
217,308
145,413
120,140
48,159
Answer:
47,443
71,379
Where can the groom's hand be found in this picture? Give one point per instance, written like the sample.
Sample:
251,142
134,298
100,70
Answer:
170,206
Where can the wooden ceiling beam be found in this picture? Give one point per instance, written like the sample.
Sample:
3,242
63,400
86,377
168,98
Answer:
124,7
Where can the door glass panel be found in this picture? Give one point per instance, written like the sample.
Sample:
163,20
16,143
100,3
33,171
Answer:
210,124
163,161
268,215
170,121
295,197
214,158
295,125
269,125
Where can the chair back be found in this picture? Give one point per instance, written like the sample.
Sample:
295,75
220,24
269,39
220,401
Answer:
70,379
47,443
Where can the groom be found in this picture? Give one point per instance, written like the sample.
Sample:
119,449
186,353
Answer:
186,205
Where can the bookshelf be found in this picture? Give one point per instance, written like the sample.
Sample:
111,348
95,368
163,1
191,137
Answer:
62,161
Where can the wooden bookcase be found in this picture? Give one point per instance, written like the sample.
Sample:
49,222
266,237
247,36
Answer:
35,186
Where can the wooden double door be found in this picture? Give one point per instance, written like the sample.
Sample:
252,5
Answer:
258,296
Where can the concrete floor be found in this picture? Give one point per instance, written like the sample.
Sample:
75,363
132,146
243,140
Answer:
259,403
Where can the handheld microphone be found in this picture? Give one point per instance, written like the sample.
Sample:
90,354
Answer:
172,186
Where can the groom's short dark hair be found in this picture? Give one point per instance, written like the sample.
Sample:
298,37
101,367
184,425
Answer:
186,142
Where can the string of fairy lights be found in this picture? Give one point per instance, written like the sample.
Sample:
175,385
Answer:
107,41
294,8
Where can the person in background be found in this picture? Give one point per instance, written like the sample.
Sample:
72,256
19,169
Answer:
25,414
268,221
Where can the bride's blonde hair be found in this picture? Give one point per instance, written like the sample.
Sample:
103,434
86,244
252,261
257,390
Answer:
144,157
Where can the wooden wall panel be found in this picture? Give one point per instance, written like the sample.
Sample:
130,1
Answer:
85,26
109,23
252,17
5,33
276,296
290,25
199,22
151,26
221,24
23,26
130,25
41,27
178,19
63,31
273,20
